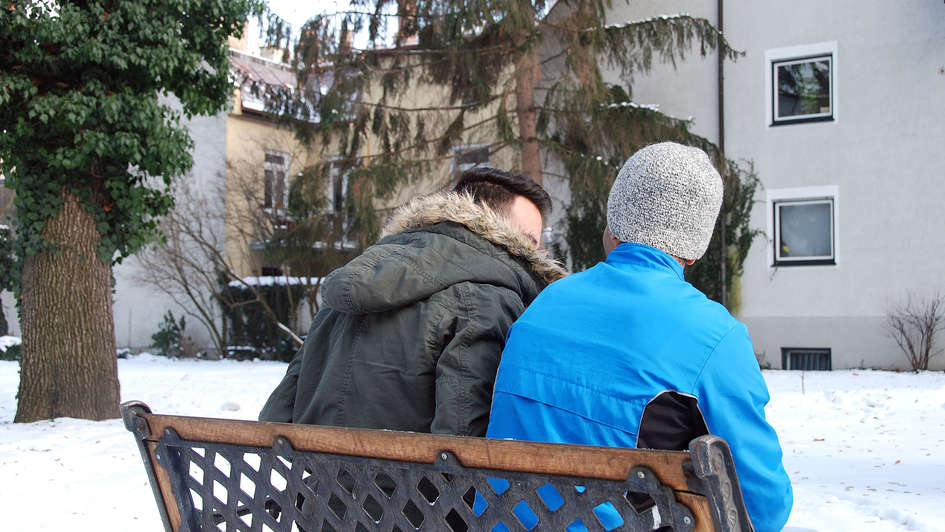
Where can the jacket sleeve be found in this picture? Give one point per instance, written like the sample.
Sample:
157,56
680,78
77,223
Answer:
466,367
732,395
279,406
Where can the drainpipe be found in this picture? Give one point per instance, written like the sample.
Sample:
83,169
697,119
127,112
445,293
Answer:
723,258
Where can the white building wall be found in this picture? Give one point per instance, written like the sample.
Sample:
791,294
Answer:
139,308
882,154
689,89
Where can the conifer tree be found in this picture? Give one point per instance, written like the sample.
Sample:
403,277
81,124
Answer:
526,74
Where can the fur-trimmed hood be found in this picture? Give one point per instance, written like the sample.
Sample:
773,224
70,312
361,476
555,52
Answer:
478,218
434,243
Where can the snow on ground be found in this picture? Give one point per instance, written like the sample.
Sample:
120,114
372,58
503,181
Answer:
864,448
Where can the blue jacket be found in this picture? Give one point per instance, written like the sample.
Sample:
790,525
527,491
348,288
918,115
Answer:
599,349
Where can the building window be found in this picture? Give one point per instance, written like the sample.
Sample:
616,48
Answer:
467,157
276,174
337,186
803,226
806,359
801,84
271,271
804,231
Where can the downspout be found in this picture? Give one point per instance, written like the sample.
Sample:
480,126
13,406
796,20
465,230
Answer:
723,256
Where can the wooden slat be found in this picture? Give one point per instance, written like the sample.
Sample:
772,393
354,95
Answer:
164,482
699,506
544,458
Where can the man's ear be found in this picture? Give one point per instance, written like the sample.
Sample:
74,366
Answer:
609,241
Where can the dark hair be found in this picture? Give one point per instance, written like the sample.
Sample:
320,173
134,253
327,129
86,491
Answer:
497,189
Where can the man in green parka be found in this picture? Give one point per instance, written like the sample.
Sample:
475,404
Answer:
412,329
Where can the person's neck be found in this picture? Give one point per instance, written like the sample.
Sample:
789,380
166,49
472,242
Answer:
682,262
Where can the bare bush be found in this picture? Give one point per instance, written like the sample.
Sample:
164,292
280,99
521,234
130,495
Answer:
913,324
250,223
191,263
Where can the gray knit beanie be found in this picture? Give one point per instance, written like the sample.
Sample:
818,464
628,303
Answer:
666,196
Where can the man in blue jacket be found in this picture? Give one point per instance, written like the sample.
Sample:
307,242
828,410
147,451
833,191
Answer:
628,354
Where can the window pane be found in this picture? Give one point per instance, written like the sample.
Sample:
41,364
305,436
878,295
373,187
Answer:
337,186
473,158
803,88
805,230
267,191
279,189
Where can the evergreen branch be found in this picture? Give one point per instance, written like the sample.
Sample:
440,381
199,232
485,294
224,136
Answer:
427,143
647,21
429,109
631,45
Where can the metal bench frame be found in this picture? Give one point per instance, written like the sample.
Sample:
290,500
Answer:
213,474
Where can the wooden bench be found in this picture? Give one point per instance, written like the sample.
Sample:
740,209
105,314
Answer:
213,474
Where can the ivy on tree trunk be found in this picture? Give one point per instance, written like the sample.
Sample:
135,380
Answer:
67,310
91,151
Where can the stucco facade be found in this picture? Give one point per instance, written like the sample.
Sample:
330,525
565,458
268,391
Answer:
140,307
876,161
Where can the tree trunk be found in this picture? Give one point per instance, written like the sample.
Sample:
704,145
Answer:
528,74
68,367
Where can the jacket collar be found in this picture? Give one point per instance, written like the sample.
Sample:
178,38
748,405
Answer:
647,257
478,218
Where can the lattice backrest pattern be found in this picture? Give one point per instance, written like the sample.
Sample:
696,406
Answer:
238,488
247,476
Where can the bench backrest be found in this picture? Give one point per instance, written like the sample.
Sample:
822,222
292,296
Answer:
213,474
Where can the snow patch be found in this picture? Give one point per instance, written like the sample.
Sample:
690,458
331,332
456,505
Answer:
9,341
273,280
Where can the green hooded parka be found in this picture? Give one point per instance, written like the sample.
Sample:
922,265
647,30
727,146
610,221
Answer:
413,328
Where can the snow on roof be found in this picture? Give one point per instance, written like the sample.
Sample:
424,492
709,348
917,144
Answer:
272,280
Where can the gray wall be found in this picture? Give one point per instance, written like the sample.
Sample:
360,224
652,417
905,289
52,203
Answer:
883,154
139,308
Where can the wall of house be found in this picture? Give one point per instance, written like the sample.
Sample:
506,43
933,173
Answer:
140,307
441,174
248,136
880,157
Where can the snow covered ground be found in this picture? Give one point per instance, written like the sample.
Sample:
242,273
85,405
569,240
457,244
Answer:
865,449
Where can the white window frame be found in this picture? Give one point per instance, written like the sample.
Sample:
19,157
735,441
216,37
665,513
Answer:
802,194
801,54
455,170
334,172
276,168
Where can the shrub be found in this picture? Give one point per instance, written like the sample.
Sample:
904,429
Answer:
249,327
169,338
912,325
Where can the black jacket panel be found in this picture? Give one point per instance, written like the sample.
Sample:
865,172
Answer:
670,421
